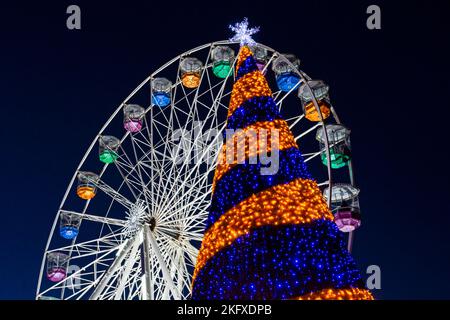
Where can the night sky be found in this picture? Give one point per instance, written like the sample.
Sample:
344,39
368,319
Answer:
390,86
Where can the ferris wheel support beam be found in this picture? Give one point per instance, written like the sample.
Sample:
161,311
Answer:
113,268
166,275
179,269
131,261
174,272
148,293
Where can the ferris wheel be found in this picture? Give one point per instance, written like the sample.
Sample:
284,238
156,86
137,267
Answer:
132,219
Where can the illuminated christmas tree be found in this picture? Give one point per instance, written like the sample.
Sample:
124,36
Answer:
269,236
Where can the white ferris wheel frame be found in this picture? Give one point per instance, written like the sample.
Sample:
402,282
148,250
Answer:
121,253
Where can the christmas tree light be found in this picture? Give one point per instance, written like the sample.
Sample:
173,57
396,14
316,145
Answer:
269,236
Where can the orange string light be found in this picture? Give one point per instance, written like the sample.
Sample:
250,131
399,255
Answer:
338,294
311,112
244,53
252,85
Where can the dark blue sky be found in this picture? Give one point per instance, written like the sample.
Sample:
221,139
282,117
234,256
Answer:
58,87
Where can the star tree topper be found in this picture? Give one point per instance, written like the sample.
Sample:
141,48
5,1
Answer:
243,33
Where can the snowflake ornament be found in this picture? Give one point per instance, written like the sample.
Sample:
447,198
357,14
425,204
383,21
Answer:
243,33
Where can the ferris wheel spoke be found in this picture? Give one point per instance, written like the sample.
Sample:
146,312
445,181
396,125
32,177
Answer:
200,188
167,171
297,120
164,161
91,246
191,218
314,155
115,195
174,275
126,273
95,218
173,212
178,270
189,173
161,262
279,100
129,177
157,284
308,131
194,236
136,184
123,279
197,225
112,286
180,189
168,231
145,140
165,151
133,289
190,207
185,277
309,157
195,139
160,126
276,96
130,169
145,192
216,99
192,252
193,199
106,277
210,91
79,294
325,183
271,59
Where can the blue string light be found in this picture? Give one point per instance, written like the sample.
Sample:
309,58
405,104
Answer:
247,66
254,110
279,262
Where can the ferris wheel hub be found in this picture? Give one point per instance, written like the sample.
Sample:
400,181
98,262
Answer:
151,221
136,218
